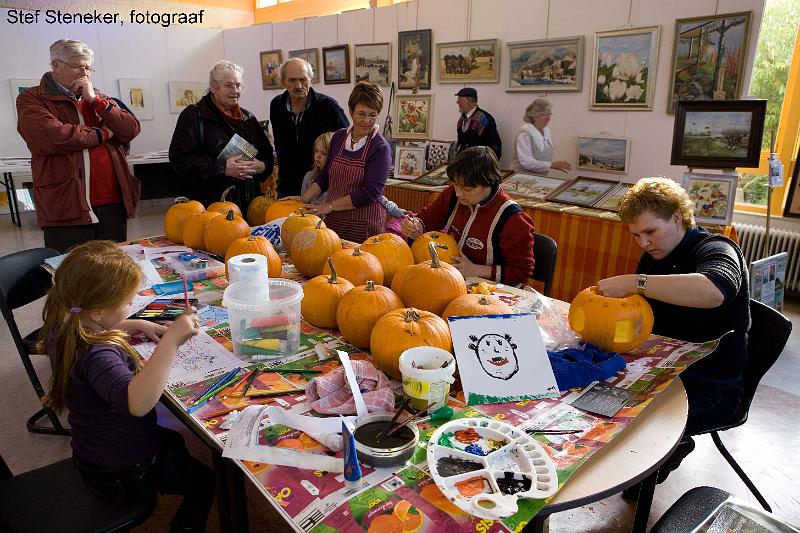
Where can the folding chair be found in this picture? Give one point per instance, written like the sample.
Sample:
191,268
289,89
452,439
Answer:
545,251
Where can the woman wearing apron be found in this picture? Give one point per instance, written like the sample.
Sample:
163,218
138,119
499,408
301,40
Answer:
356,170
533,148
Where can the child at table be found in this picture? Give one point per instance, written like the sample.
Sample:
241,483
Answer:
118,447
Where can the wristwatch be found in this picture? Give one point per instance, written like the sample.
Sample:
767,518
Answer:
641,283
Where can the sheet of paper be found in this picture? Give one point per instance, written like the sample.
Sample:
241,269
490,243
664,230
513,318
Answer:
140,302
324,430
151,275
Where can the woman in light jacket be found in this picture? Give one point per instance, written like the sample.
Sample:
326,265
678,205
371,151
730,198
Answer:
533,147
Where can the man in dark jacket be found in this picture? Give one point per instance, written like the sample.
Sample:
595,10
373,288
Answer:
475,127
299,116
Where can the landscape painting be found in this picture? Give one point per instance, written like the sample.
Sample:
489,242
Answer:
468,61
531,187
582,191
373,63
336,64
624,69
414,59
603,154
545,65
611,201
312,56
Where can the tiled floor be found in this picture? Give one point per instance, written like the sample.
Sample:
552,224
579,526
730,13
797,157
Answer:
764,446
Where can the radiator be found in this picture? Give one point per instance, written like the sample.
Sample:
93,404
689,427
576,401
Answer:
751,241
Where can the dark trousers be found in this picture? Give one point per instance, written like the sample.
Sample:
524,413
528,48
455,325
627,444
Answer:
172,470
712,403
112,225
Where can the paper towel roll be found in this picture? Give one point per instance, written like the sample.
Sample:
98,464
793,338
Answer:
247,267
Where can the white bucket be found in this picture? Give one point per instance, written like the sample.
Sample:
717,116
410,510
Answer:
427,375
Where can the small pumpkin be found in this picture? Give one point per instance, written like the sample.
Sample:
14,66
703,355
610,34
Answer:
430,285
177,215
614,324
223,206
476,305
402,329
194,229
392,251
259,205
321,297
360,308
448,248
222,231
294,223
312,247
280,209
255,245
357,266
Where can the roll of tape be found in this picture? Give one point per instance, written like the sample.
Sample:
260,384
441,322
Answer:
247,267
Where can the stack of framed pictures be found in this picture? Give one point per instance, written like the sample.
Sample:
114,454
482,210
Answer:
588,192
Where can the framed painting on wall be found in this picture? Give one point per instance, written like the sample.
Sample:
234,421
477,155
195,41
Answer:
409,162
336,64
414,116
312,56
545,65
708,58
271,62
603,154
582,191
468,61
183,94
624,69
373,63
137,95
18,86
714,196
414,59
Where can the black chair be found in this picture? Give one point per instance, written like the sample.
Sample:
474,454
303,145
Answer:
22,281
54,498
545,251
769,332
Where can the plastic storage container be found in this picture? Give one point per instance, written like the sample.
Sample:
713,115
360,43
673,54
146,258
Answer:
264,318
195,266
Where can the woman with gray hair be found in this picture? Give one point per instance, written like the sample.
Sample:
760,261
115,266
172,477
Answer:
204,130
533,148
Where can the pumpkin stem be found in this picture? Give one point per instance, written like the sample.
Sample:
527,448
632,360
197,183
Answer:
230,215
181,200
357,250
225,193
412,315
332,280
319,224
302,212
432,246
483,300
370,285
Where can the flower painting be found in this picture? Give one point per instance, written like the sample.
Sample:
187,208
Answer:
414,59
409,162
713,196
625,68
270,69
414,116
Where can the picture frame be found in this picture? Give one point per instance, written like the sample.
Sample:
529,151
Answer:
714,196
792,207
435,177
603,154
271,62
414,59
138,96
624,69
373,63
551,65
705,51
718,133
531,187
582,191
312,56
768,280
409,162
438,153
185,93
336,64
413,118
18,86
610,202
468,61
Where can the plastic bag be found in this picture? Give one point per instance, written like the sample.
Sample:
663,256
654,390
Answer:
553,323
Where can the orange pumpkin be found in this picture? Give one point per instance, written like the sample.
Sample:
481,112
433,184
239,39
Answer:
430,285
392,251
258,207
614,324
222,231
223,206
294,223
194,229
281,208
177,215
402,329
449,248
357,266
476,305
360,308
312,247
256,245
321,297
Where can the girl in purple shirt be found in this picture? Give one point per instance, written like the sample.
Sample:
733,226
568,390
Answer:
118,447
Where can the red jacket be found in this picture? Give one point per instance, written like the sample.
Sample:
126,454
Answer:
497,232
53,129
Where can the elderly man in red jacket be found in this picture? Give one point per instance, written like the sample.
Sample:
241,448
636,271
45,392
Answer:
78,137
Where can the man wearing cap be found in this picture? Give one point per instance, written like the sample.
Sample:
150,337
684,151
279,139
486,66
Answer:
476,127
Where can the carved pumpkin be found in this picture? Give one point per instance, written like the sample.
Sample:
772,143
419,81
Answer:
448,248
223,206
430,285
357,266
475,305
294,223
256,245
281,208
402,329
614,324
194,229
392,251
259,205
222,231
321,297
177,215
312,247
360,308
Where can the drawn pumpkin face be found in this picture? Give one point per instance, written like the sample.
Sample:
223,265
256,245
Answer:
496,354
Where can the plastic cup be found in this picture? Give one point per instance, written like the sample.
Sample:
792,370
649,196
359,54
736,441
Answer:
427,375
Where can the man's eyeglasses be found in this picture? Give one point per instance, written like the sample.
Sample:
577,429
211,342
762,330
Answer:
86,68
232,86
372,117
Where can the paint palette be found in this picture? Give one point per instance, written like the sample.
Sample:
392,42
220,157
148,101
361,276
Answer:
483,466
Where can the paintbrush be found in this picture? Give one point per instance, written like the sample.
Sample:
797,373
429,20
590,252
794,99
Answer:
388,426
420,414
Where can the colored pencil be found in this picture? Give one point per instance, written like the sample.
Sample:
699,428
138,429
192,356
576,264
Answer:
235,391
294,371
222,379
291,392
229,410
185,292
250,382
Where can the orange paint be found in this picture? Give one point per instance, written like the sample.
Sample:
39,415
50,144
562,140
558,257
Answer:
470,487
467,436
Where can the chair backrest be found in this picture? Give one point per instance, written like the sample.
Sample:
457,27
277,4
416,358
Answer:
22,279
545,251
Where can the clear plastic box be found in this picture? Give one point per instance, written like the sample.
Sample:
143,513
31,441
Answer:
190,265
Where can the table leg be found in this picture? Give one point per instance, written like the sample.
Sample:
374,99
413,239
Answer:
223,494
11,192
644,502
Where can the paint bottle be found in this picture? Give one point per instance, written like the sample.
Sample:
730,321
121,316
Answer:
352,470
